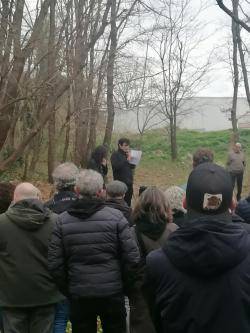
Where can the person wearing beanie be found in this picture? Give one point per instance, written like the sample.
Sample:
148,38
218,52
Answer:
199,280
115,192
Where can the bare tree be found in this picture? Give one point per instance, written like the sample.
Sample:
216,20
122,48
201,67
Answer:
232,15
174,41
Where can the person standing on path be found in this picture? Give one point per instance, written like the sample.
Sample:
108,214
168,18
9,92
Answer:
122,169
236,165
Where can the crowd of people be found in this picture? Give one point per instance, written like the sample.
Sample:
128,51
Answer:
178,262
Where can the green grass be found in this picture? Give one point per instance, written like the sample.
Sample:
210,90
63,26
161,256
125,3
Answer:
156,152
155,144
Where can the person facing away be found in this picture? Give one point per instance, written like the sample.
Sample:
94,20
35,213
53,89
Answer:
98,161
6,196
27,292
153,225
243,209
200,156
122,169
90,245
175,196
199,280
236,166
115,193
64,178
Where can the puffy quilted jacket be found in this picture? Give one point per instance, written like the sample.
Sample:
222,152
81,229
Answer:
90,246
243,209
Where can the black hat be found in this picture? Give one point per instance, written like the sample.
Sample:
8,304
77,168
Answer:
209,189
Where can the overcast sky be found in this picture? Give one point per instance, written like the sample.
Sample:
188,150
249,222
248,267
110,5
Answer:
220,77
218,27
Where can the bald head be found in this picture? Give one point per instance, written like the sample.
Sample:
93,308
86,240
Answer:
25,191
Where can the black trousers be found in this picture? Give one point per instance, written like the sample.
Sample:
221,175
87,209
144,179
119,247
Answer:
238,177
129,194
39,319
84,313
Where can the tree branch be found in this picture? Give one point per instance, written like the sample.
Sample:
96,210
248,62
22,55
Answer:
230,13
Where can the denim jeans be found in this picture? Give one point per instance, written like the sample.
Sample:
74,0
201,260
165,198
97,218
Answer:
62,316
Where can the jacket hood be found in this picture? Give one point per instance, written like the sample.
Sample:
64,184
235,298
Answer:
85,207
207,247
29,214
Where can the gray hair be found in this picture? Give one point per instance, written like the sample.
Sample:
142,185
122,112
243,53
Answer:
116,189
64,175
89,182
175,195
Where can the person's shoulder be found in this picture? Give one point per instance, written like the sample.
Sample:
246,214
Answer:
3,218
155,256
111,212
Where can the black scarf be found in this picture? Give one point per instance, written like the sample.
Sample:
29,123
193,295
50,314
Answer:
149,227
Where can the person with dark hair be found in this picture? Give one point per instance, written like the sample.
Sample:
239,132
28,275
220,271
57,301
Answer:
236,166
122,168
98,161
153,225
6,195
202,155
115,192
199,279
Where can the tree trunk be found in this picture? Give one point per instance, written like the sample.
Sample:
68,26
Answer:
110,77
173,142
241,53
67,131
51,75
235,74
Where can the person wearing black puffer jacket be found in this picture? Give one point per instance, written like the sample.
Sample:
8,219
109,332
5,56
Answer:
199,280
243,209
90,246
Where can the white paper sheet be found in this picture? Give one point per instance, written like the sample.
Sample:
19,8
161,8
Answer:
135,156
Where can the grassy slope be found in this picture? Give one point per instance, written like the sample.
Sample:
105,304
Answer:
156,166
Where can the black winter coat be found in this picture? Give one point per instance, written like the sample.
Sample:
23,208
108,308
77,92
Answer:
243,209
122,206
102,169
90,245
122,169
61,201
200,280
